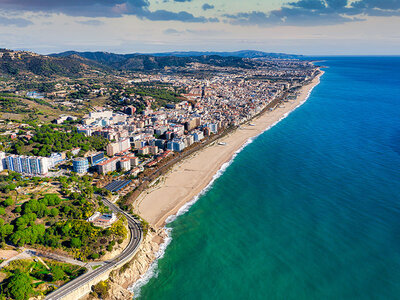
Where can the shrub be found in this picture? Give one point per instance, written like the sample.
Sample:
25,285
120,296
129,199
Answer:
94,256
101,289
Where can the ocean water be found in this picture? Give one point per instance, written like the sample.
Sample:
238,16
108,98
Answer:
309,210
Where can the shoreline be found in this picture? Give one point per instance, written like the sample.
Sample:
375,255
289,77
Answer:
147,205
189,179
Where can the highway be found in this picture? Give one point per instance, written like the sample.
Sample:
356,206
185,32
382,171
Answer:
136,237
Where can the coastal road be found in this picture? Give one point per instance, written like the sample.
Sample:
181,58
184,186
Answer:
136,237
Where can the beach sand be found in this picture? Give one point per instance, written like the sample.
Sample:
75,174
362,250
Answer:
189,177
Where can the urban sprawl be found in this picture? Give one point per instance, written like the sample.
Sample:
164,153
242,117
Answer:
138,140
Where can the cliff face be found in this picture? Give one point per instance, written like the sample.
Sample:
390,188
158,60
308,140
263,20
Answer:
122,278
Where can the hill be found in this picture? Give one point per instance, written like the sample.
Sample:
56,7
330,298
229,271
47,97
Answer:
77,64
15,63
147,62
242,54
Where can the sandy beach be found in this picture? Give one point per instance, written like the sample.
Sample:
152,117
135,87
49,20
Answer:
188,178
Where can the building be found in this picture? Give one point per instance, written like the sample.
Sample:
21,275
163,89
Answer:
55,159
168,135
213,127
130,110
176,145
125,164
135,171
95,158
189,140
143,151
192,124
80,165
2,161
118,147
103,220
139,144
134,160
153,150
75,151
85,130
34,95
160,130
30,165
101,114
108,165
64,118
198,136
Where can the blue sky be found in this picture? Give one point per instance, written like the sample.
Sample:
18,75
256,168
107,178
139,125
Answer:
313,27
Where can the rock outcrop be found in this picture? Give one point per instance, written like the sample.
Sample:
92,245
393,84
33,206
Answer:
124,277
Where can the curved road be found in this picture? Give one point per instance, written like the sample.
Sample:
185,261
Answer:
136,238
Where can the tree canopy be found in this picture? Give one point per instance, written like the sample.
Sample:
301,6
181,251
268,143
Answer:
19,286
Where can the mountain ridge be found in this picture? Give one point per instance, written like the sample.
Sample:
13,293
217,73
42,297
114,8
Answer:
75,64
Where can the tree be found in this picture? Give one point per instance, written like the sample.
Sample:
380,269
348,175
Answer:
19,286
67,209
54,212
76,243
2,211
52,199
8,202
5,230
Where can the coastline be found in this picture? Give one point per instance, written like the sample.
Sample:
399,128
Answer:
186,181
194,176
175,192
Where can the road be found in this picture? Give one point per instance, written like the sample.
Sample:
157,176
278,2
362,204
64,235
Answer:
136,237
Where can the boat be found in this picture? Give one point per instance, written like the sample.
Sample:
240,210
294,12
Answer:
221,143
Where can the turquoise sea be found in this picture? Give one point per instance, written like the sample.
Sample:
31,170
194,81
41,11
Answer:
309,210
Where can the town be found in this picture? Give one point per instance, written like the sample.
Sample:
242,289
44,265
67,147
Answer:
140,139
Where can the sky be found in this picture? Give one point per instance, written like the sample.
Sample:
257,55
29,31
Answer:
309,27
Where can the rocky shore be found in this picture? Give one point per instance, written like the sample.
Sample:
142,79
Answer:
121,279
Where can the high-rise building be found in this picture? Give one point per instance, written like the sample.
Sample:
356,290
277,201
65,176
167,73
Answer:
176,145
118,147
30,165
125,164
198,135
192,124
